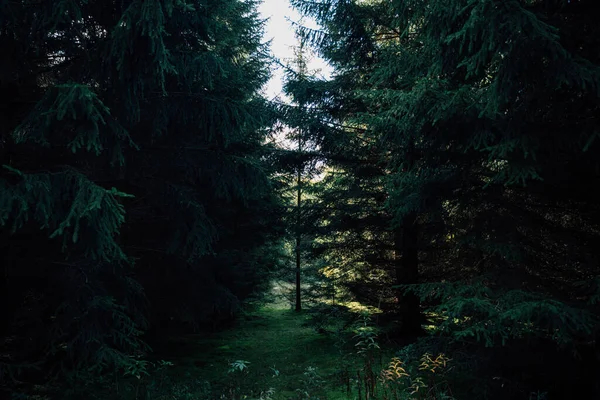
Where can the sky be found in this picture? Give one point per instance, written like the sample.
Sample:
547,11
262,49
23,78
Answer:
279,29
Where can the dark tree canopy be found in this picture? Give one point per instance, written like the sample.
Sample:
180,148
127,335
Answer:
443,176
133,194
462,143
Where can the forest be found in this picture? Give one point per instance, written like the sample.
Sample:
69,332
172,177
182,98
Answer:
419,225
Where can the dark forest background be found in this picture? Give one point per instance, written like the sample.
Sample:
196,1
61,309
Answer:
445,177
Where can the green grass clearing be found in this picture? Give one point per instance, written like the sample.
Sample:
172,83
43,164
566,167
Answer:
285,360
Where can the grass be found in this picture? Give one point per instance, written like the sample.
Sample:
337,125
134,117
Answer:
272,354
284,357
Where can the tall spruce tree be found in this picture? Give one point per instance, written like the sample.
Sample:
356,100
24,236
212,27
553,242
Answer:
298,164
379,251
485,113
132,188
300,64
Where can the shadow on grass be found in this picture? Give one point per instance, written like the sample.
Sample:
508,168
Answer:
280,355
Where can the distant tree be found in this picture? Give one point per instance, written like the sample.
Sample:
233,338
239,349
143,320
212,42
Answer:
300,64
299,166
377,249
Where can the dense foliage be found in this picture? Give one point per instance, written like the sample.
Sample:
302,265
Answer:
462,143
132,193
442,180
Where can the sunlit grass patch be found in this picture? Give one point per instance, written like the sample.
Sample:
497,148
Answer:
355,306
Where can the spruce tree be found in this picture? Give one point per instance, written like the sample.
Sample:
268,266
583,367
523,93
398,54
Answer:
300,63
298,164
383,248
485,116
132,189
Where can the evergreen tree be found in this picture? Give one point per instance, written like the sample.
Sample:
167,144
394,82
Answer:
484,117
300,62
132,190
298,163
383,250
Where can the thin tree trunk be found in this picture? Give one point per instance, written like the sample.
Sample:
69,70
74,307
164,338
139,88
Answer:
298,296
298,231
301,64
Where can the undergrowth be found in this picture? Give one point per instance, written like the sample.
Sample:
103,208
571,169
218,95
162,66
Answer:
274,354
277,354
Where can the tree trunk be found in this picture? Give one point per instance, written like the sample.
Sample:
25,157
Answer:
407,272
298,232
298,296
301,65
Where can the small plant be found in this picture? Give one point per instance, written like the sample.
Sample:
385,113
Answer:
311,383
162,364
137,368
366,335
312,377
423,381
267,394
428,363
393,378
160,375
238,369
148,376
417,387
367,347
538,395
433,370
394,372
239,365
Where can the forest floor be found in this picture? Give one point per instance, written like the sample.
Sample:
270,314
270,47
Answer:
269,354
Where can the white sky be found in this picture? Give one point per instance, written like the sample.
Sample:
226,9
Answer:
281,32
